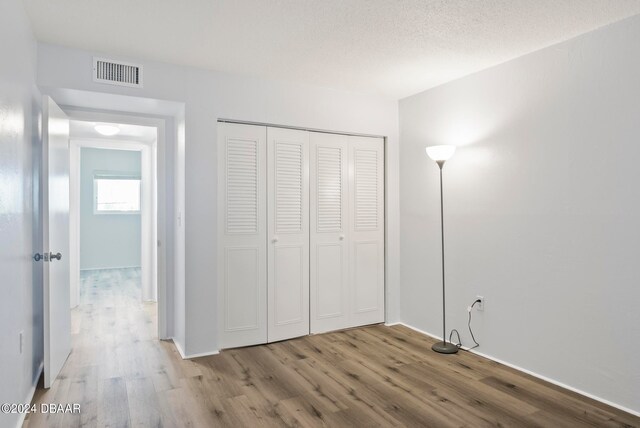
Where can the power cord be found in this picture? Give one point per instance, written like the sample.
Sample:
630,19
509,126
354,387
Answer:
459,344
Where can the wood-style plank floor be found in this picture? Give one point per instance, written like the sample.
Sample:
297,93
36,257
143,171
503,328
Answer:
373,376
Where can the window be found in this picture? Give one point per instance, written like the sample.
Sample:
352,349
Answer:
115,194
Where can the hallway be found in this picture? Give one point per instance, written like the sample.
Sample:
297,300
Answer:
115,357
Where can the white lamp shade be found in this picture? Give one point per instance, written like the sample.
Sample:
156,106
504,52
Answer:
441,153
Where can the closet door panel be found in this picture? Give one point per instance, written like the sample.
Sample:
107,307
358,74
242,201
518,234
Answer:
329,252
366,230
330,281
241,288
288,231
242,252
366,284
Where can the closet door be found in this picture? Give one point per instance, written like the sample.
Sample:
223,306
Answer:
366,230
288,233
242,251
328,214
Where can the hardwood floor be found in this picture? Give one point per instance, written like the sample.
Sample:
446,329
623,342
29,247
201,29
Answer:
372,376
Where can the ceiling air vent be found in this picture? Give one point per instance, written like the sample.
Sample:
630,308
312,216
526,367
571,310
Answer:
117,73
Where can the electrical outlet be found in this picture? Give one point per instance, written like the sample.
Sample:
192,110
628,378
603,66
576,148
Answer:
21,336
480,304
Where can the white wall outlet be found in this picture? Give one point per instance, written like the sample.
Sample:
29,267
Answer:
21,338
480,304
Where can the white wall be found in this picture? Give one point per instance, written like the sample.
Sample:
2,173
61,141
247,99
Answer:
541,211
207,97
20,276
107,240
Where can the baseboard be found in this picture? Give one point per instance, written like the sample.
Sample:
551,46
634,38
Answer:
179,348
188,357
30,394
391,324
201,354
529,372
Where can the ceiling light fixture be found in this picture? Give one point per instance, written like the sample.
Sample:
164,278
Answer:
107,130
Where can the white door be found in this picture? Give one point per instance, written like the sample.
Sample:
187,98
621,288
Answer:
55,209
366,230
288,233
329,252
242,250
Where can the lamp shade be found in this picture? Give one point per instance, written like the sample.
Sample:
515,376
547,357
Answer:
441,153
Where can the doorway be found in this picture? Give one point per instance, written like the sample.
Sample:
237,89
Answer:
114,220
114,199
76,334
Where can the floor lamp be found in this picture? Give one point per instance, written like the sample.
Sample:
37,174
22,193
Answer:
441,154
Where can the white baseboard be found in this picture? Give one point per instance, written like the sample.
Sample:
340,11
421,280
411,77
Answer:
187,357
529,372
30,394
201,354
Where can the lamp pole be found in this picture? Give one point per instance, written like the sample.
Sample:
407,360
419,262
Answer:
443,347
444,306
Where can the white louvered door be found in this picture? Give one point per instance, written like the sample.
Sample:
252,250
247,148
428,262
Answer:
242,250
366,230
301,233
329,251
288,233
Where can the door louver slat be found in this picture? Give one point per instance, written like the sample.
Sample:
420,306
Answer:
366,189
329,184
289,166
242,186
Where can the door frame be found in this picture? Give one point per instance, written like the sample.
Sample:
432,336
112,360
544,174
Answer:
155,223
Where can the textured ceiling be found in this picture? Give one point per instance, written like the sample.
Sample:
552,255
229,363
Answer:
390,47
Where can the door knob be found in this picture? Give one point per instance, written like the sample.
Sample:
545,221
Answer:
342,237
275,239
37,257
57,256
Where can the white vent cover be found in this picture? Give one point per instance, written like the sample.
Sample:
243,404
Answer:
117,73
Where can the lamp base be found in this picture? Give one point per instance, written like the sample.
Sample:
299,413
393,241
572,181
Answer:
445,348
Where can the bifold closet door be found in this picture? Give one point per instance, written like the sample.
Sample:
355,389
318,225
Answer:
329,251
347,231
301,233
288,233
242,246
366,230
